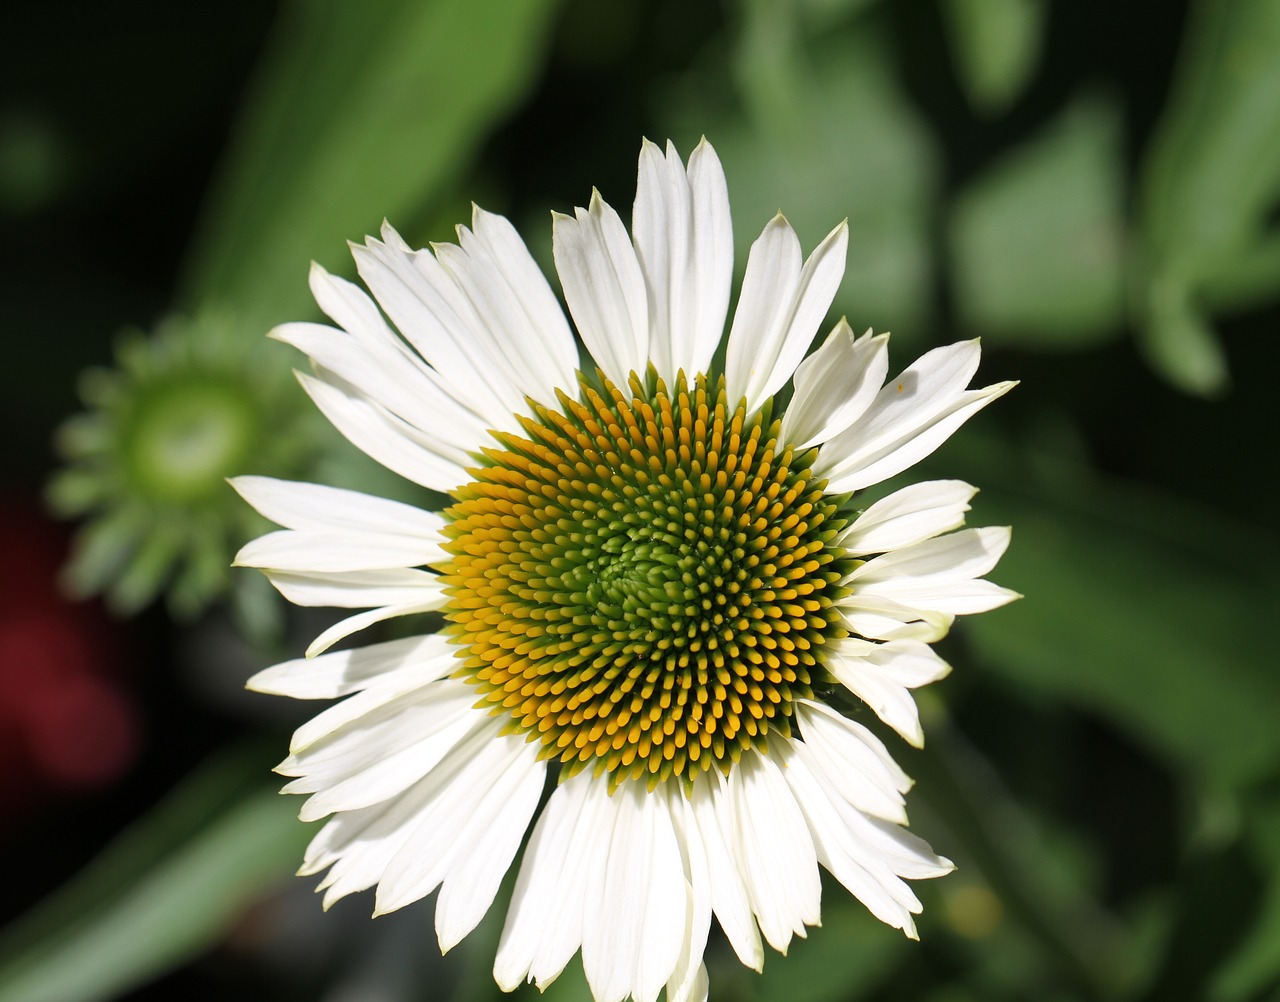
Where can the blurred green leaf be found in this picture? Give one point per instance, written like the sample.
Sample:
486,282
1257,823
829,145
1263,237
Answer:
821,128
1033,898
1036,242
166,889
1256,964
846,957
996,43
1140,607
1187,345
360,111
1209,186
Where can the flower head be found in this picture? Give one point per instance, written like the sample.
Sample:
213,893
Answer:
656,585
147,462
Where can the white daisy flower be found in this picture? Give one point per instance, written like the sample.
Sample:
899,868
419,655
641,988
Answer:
657,587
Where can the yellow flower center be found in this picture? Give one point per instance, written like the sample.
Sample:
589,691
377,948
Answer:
643,581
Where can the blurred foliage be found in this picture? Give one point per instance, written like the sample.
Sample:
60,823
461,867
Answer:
1037,240
1210,188
996,43
310,164
157,895
1105,767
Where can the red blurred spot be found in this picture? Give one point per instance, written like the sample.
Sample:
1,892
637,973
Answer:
66,723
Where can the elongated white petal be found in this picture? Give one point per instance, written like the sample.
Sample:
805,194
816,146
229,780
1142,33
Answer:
563,862
375,760
363,620
509,293
909,418
938,574
684,241
695,989
374,430
634,918
349,307
688,979
400,383
854,761
358,589
348,720
834,386
781,306
859,851
882,675
491,843
355,846
879,618
434,316
604,287
773,848
341,673
908,516
315,506
729,897
478,800
299,552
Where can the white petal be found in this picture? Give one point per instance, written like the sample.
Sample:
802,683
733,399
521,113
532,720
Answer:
908,420
695,989
341,673
355,846
362,620
563,863
684,240
391,441
348,306
879,618
690,973
854,761
343,725
315,506
300,552
774,851
882,675
604,287
359,845
938,574
511,297
434,316
633,919
728,892
869,875
397,380
478,800
834,386
780,309
379,757
359,589
472,883
908,516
